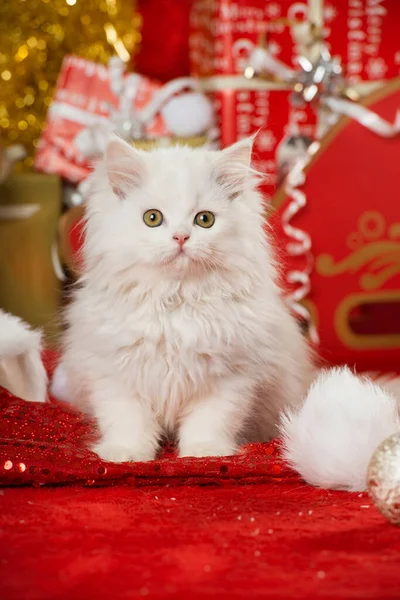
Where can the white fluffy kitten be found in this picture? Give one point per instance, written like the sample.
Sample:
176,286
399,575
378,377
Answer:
178,327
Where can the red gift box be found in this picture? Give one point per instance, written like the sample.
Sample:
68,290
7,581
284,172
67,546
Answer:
222,37
370,50
84,96
224,34
244,112
363,34
354,226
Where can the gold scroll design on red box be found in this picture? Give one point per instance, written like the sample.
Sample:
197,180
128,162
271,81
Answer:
375,257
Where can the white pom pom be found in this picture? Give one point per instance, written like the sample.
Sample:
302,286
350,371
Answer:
330,440
188,114
21,368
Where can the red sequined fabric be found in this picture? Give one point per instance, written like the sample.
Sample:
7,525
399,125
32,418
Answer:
49,444
142,531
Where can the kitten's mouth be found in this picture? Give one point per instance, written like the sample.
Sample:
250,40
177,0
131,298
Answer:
178,257
181,252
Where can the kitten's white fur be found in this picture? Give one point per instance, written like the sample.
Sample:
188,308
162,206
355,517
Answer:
198,345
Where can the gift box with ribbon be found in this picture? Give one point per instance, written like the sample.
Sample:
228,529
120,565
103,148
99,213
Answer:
364,33
91,101
223,37
337,222
315,81
226,46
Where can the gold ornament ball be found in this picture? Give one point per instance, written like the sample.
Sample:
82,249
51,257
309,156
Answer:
383,478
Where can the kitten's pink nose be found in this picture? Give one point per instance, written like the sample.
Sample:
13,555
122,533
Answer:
181,238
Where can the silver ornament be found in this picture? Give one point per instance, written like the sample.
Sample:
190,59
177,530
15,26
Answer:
383,478
324,77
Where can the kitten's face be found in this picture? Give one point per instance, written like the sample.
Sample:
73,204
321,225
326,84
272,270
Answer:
177,210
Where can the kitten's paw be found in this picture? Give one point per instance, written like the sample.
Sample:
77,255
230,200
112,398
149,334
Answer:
201,449
119,454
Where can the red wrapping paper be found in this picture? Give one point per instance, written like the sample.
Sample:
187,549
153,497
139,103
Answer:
352,217
221,38
83,94
244,112
364,33
223,34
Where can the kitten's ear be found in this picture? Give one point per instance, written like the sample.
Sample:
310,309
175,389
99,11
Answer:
233,166
124,165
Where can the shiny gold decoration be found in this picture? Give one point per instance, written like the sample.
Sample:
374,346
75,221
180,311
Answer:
30,206
165,142
35,36
372,224
376,256
394,231
380,257
383,478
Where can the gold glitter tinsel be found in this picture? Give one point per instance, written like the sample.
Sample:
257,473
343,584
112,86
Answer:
383,478
35,36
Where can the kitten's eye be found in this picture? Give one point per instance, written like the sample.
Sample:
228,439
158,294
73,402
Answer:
153,218
205,219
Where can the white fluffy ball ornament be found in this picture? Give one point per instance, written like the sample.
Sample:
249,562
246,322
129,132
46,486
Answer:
188,114
331,439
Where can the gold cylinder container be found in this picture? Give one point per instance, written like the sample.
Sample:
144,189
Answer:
30,207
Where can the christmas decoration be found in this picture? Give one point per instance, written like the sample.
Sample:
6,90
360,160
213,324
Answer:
353,326
53,449
350,277
91,101
36,35
245,39
384,478
362,32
